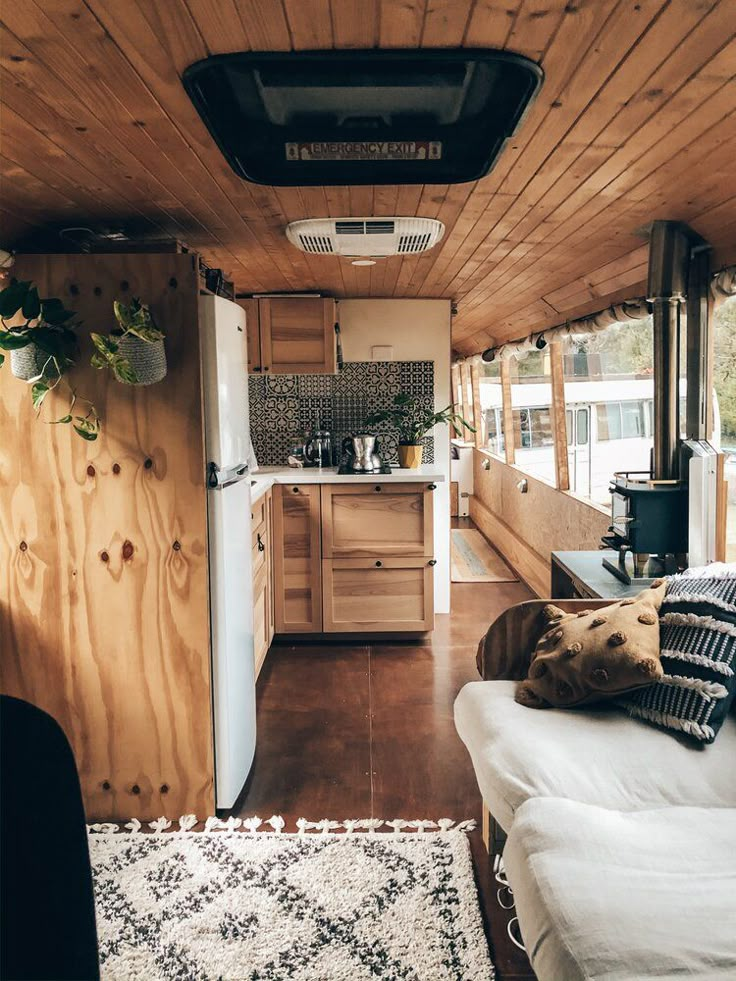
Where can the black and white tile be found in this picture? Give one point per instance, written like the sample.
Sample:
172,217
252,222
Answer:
286,409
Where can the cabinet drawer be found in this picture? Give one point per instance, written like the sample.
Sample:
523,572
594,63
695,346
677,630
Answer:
377,519
387,594
259,511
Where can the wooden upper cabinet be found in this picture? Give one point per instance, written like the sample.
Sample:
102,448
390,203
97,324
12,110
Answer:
297,559
297,335
361,520
252,332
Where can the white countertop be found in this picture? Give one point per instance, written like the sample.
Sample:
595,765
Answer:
265,477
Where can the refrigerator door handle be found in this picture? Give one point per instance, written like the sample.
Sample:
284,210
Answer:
218,479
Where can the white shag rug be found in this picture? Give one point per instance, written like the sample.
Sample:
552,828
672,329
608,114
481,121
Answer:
268,906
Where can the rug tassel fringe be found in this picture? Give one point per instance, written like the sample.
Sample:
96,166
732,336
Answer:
276,824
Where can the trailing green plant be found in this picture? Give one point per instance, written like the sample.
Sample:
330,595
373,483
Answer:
26,319
134,320
414,420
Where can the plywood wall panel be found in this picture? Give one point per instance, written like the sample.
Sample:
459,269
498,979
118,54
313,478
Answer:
528,527
103,581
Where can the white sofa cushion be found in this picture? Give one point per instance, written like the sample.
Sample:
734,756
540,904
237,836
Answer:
614,896
597,756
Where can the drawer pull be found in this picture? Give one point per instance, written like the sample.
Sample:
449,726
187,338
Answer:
294,490
432,486
379,564
261,546
378,489
432,562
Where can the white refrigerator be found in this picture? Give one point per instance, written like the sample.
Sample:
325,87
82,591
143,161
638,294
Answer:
227,449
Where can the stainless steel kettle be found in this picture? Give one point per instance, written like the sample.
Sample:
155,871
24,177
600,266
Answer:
362,453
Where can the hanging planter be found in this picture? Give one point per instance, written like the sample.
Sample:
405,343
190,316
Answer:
135,351
39,334
31,362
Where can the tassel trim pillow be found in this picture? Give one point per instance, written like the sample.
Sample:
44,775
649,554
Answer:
698,656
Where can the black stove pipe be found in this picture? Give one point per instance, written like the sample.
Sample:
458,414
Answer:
669,251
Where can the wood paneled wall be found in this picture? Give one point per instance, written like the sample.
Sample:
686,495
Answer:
526,528
103,552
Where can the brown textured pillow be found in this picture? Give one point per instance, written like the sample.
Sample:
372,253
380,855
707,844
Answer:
596,654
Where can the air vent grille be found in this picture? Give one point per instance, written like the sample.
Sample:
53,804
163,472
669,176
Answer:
413,243
374,237
316,244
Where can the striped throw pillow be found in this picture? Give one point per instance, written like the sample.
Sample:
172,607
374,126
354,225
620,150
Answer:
698,651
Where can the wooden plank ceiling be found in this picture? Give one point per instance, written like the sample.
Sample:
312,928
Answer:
635,121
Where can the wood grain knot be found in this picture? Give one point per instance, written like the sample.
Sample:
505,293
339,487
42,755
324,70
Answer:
91,471
105,784
148,463
104,557
164,788
135,789
116,468
176,546
128,550
23,546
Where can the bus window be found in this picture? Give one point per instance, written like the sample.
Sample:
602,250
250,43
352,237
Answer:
609,420
632,418
568,425
582,427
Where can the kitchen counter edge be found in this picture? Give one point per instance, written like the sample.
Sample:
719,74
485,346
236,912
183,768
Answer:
265,478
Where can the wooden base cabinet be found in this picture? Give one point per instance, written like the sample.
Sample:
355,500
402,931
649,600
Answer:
297,556
263,606
379,595
353,558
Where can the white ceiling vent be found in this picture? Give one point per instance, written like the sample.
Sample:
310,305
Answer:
375,237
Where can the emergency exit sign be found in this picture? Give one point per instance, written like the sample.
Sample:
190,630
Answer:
367,150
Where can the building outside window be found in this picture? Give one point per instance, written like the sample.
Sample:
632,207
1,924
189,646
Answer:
724,413
491,406
531,401
609,390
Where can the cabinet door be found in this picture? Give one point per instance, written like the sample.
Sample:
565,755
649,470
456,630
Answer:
261,639
297,335
390,594
269,525
296,559
253,332
377,519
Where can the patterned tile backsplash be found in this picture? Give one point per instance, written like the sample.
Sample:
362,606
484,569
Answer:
286,409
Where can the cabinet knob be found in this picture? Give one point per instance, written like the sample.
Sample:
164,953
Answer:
432,486
265,367
432,562
261,546
379,564
294,490
256,367
378,489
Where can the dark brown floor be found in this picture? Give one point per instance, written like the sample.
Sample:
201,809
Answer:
367,731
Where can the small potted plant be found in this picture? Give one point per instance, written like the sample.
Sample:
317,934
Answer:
134,351
413,421
41,338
